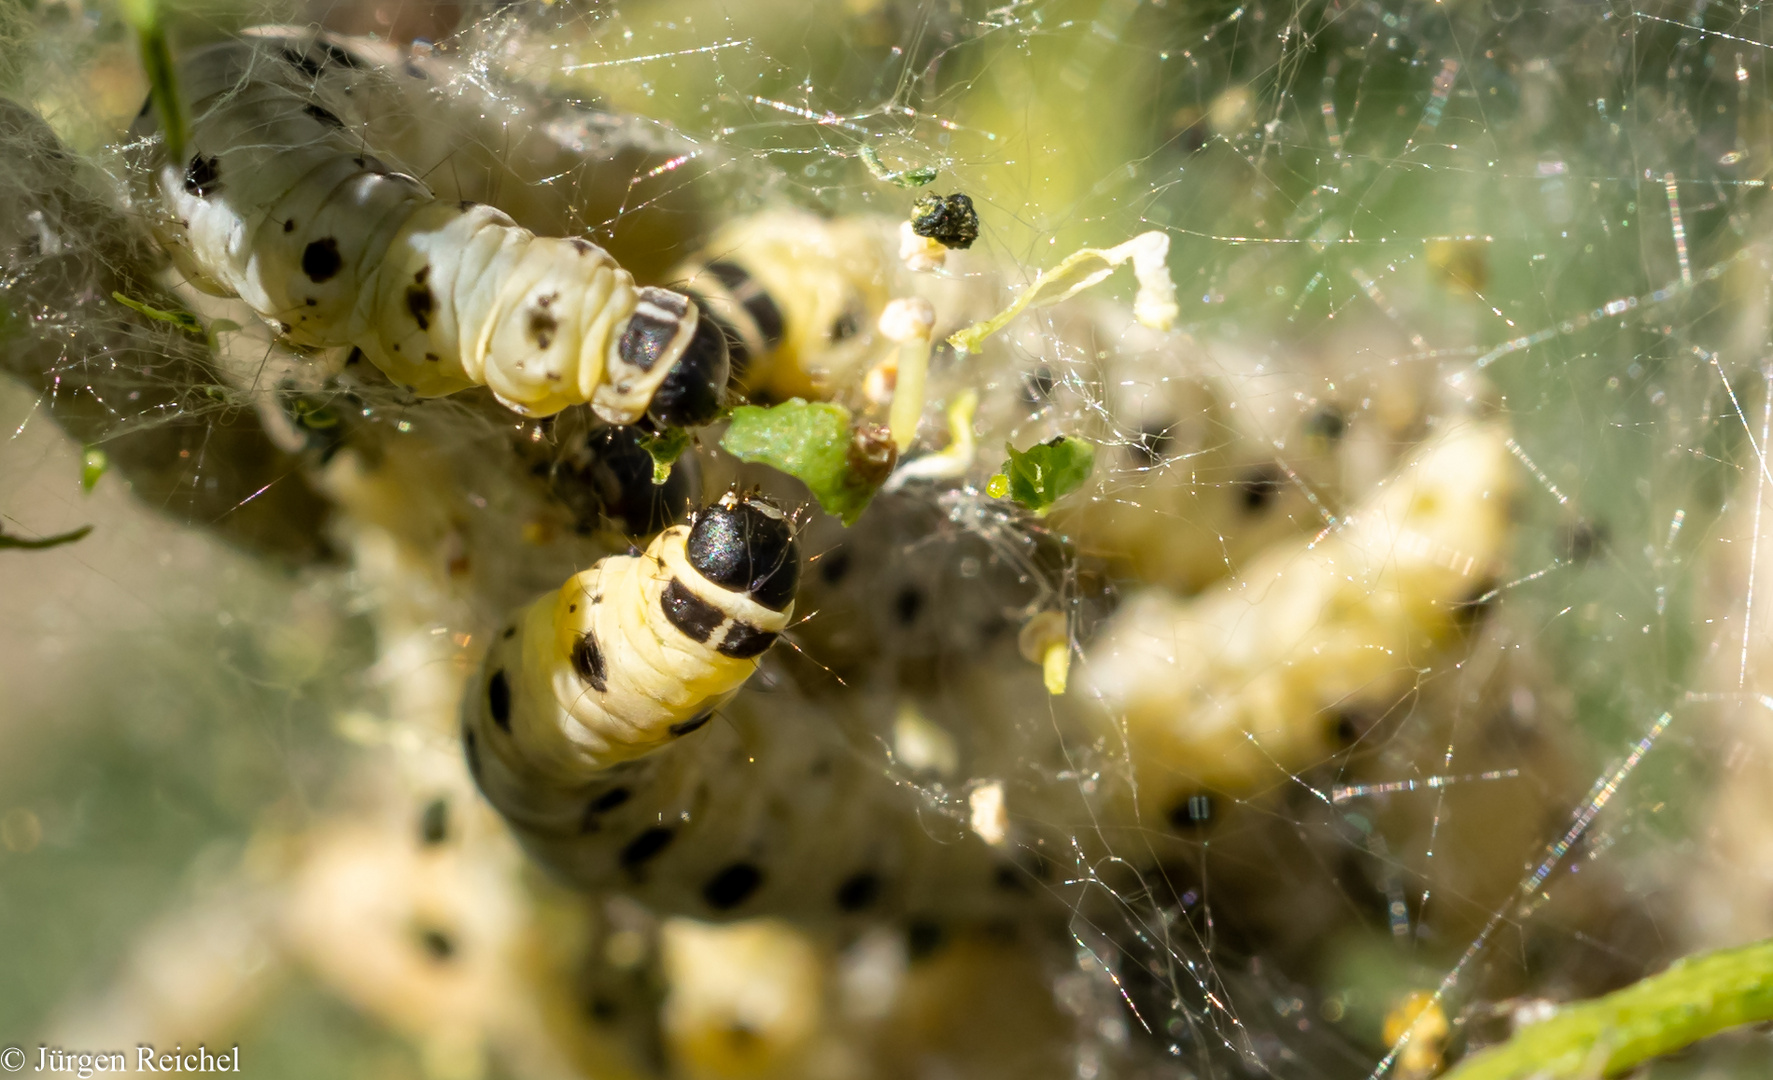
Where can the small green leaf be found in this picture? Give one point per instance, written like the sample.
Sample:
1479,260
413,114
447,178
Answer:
46,542
184,320
1047,472
665,448
843,465
93,464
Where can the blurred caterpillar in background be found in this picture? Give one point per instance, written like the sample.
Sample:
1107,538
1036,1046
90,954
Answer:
1315,643
279,204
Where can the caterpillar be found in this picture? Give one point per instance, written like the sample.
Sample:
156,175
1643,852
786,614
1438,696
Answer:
1315,643
279,203
591,729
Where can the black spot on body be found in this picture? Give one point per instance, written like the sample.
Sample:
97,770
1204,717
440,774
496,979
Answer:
743,641
1037,386
684,727
1259,490
438,945
747,547
696,617
1194,812
498,699
289,226
908,604
415,71
510,632
588,663
732,886
922,938
1009,878
420,303
434,822
304,63
610,799
203,176
542,327
581,245
1580,540
1327,424
858,891
1152,445
834,565
324,116
321,259
645,847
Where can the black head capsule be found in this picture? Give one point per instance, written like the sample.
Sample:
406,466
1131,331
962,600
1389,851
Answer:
605,478
691,393
747,545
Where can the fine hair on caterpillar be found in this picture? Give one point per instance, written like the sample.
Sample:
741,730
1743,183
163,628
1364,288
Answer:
279,203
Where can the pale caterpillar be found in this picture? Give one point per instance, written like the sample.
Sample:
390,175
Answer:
279,203
1315,643
591,729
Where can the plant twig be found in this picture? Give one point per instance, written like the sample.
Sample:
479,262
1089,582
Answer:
1696,997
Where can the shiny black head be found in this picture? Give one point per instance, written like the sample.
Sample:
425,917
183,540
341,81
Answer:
690,395
747,545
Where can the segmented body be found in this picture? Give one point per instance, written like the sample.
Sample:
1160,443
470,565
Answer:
278,202
592,730
1316,643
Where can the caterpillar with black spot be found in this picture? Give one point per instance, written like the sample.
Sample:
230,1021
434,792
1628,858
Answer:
278,202
591,728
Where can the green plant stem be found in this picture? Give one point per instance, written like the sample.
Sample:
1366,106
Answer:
163,87
1696,997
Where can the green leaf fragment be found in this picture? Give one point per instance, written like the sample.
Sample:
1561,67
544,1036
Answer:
184,320
842,464
1047,472
665,448
93,464
907,178
57,540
